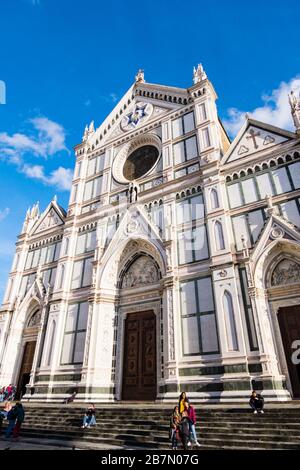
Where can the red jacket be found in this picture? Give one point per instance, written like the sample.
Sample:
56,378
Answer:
192,414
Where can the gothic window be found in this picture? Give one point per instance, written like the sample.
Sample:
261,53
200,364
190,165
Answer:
140,162
295,174
74,193
248,311
51,343
66,249
230,326
199,329
86,241
185,150
249,190
202,112
26,283
234,195
214,200
248,226
192,245
219,237
206,138
190,209
270,181
281,180
291,211
75,332
183,125
62,274
44,255
49,277
82,273
265,185
93,188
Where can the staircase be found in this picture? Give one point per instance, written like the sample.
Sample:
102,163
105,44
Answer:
141,428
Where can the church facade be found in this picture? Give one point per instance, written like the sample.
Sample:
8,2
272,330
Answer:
175,267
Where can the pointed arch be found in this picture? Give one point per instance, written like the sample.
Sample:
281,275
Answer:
219,236
214,199
231,335
51,343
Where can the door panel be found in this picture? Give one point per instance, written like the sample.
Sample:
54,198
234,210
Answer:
139,368
289,321
26,367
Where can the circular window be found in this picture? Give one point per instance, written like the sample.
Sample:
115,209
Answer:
140,161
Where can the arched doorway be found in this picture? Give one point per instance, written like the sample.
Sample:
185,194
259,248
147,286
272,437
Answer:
29,345
286,275
141,275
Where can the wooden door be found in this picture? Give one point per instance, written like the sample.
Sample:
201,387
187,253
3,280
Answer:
139,367
26,367
289,321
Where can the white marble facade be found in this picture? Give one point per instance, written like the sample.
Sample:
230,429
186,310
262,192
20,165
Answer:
165,215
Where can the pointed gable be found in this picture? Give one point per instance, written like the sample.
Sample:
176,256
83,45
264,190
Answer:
143,102
276,228
53,216
253,137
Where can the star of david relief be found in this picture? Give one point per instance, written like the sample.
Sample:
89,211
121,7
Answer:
136,116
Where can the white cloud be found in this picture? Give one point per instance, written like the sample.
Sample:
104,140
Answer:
51,135
61,178
275,109
4,213
113,97
48,140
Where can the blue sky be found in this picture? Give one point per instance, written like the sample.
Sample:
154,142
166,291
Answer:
67,62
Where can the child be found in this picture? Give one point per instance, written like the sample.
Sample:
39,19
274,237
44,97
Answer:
174,427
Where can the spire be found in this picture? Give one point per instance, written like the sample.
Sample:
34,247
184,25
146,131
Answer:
139,78
199,74
85,135
295,109
92,128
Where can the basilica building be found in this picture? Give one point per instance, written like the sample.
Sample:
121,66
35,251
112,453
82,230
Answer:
176,266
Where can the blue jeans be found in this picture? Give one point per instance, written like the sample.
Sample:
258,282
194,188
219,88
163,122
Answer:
193,432
10,427
89,420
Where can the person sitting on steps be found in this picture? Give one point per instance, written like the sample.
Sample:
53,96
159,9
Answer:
256,402
89,418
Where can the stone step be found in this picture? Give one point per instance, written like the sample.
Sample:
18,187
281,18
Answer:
259,428
129,440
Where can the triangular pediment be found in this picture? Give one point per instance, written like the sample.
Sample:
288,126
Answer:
253,137
53,216
276,229
140,105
